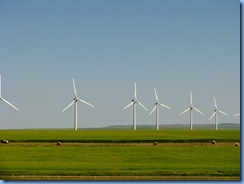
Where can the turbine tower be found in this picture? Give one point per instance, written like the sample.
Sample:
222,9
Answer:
134,102
2,99
157,104
74,101
216,111
191,112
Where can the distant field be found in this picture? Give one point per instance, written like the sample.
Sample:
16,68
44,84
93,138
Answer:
120,153
120,136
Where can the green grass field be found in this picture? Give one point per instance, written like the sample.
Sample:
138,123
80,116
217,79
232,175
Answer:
180,153
119,136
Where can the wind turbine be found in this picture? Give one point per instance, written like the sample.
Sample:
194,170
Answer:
2,99
134,102
74,101
216,110
157,104
191,112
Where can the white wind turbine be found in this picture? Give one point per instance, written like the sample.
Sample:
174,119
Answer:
191,112
216,110
157,109
2,99
74,101
134,101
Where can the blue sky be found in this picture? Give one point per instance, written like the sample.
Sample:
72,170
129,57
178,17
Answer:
106,45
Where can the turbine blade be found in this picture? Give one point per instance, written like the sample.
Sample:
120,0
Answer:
197,110
135,92
85,102
153,109
164,106
156,94
74,88
223,112
213,115
69,105
9,104
215,103
129,105
191,98
185,111
142,106
238,114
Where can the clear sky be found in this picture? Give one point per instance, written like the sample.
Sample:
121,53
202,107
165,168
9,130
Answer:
177,46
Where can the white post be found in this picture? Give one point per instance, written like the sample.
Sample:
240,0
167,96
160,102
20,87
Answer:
134,116
190,119
75,115
157,118
216,121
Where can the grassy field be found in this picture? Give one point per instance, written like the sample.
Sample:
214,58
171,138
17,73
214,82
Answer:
179,153
119,136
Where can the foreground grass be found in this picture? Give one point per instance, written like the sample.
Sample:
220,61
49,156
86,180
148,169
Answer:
181,153
109,160
120,136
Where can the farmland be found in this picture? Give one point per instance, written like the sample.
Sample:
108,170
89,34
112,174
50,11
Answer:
120,153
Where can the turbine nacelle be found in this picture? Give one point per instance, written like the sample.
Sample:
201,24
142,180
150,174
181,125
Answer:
190,109
133,102
74,101
216,111
156,108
